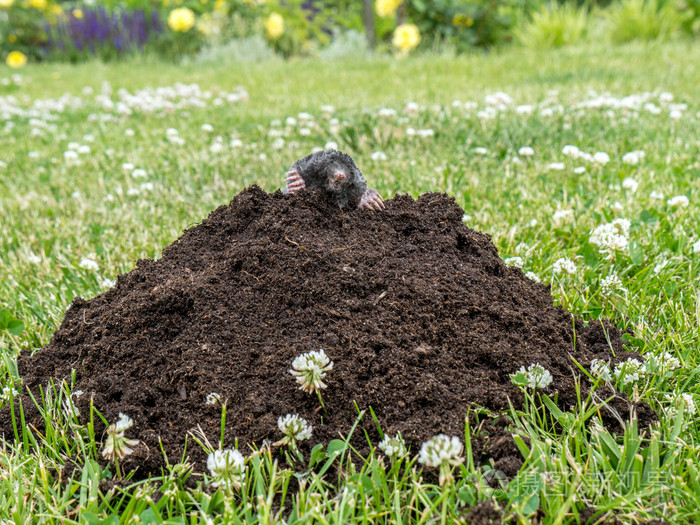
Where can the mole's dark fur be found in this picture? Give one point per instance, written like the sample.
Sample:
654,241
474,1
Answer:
318,170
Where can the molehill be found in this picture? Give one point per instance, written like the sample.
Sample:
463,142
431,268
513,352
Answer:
417,311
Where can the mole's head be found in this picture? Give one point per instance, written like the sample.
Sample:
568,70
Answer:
339,171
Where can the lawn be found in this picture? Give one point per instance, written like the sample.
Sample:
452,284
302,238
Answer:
104,164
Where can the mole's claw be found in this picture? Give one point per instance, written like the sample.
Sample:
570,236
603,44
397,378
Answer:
371,199
294,182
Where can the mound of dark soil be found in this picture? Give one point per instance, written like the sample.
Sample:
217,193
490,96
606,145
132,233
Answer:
417,311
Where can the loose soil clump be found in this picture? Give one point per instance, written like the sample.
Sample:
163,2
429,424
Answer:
419,314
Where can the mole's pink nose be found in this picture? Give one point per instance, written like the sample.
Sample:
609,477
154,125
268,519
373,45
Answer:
339,176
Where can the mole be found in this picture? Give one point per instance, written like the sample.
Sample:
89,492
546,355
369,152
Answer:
337,175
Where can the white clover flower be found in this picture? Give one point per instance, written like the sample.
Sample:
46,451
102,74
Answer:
83,149
556,166
515,261
88,264
441,451
611,237
7,393
328,109
213,399
600,370
600,157
630,184
571,151
139,173
236,143
106,282
116,444
227,467
294,429
656,195
378,156
679,201
612,284
661,363
310,369
71,158
629,371
386,112
560,216
533,277
685,403
466,217
33,258
69,408
393,447
579,170
207,128
526,151
633,157
536,375
425,132
129,132
480,150
128,167
564,265
660,266
331,145
696,246
675,114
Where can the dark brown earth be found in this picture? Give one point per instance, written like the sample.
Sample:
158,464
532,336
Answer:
419,314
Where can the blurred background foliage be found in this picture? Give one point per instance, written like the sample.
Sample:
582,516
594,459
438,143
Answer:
41,30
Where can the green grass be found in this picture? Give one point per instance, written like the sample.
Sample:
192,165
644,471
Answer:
53,215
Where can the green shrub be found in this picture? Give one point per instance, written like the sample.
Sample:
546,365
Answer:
554,25
641,20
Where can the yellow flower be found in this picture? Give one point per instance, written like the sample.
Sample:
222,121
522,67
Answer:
220,5
78,13
6,4
386,8
274,26
462,20
38,4
406,37
16,59
181,19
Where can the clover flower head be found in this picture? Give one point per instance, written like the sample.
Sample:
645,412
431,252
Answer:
696,246
629,371
533,276
679,201
536,376
611,285
213,399
611,237
661,363
560,216
630,184
393,447
117,445
564,265
7,393
633,157
227,467
683,403
441,450
600,370
515,261
600,157
310,369
294,429
526,151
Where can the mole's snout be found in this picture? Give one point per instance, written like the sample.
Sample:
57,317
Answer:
339,176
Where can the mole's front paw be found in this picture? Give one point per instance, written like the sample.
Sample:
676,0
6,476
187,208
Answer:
294,182
371,199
